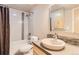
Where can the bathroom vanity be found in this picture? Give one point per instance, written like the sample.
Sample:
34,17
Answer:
68,37
38,51
63,21
71,46
68,50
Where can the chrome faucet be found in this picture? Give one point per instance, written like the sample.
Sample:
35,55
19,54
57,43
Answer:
55,36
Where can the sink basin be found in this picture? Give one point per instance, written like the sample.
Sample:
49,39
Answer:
53,44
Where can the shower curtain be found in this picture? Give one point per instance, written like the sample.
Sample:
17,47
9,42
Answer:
4,30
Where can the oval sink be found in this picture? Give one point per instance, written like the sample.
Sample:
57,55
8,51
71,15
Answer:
53,44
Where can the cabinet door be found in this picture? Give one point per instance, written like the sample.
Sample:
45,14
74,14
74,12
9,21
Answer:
37,51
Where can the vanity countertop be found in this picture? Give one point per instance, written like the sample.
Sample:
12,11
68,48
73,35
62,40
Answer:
68,50
67,34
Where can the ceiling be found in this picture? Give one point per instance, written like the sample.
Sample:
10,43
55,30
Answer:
28,7
23,7
66,6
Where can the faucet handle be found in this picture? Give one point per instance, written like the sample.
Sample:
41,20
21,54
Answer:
55,35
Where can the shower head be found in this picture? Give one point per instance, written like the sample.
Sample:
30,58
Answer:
29,14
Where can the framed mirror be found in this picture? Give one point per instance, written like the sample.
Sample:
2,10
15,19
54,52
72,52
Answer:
57,19
64,17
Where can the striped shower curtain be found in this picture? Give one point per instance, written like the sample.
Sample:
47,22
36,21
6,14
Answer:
4,30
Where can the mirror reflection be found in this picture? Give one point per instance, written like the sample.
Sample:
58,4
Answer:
65,17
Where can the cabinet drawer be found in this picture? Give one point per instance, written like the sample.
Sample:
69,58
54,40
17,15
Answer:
37,50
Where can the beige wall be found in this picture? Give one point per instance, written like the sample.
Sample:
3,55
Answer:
76,20
72,20
68,20
40,21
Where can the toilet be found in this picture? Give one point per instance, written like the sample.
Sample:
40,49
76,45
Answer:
32,39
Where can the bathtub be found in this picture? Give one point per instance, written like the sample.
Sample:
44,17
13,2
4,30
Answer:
16,46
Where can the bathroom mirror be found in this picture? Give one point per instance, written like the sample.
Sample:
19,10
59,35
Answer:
64,17
57,19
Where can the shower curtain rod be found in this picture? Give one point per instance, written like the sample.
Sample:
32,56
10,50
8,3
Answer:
2,5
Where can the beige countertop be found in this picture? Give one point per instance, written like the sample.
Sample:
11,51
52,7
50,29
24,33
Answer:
67,34
68,50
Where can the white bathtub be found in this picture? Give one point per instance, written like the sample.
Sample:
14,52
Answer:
15,46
